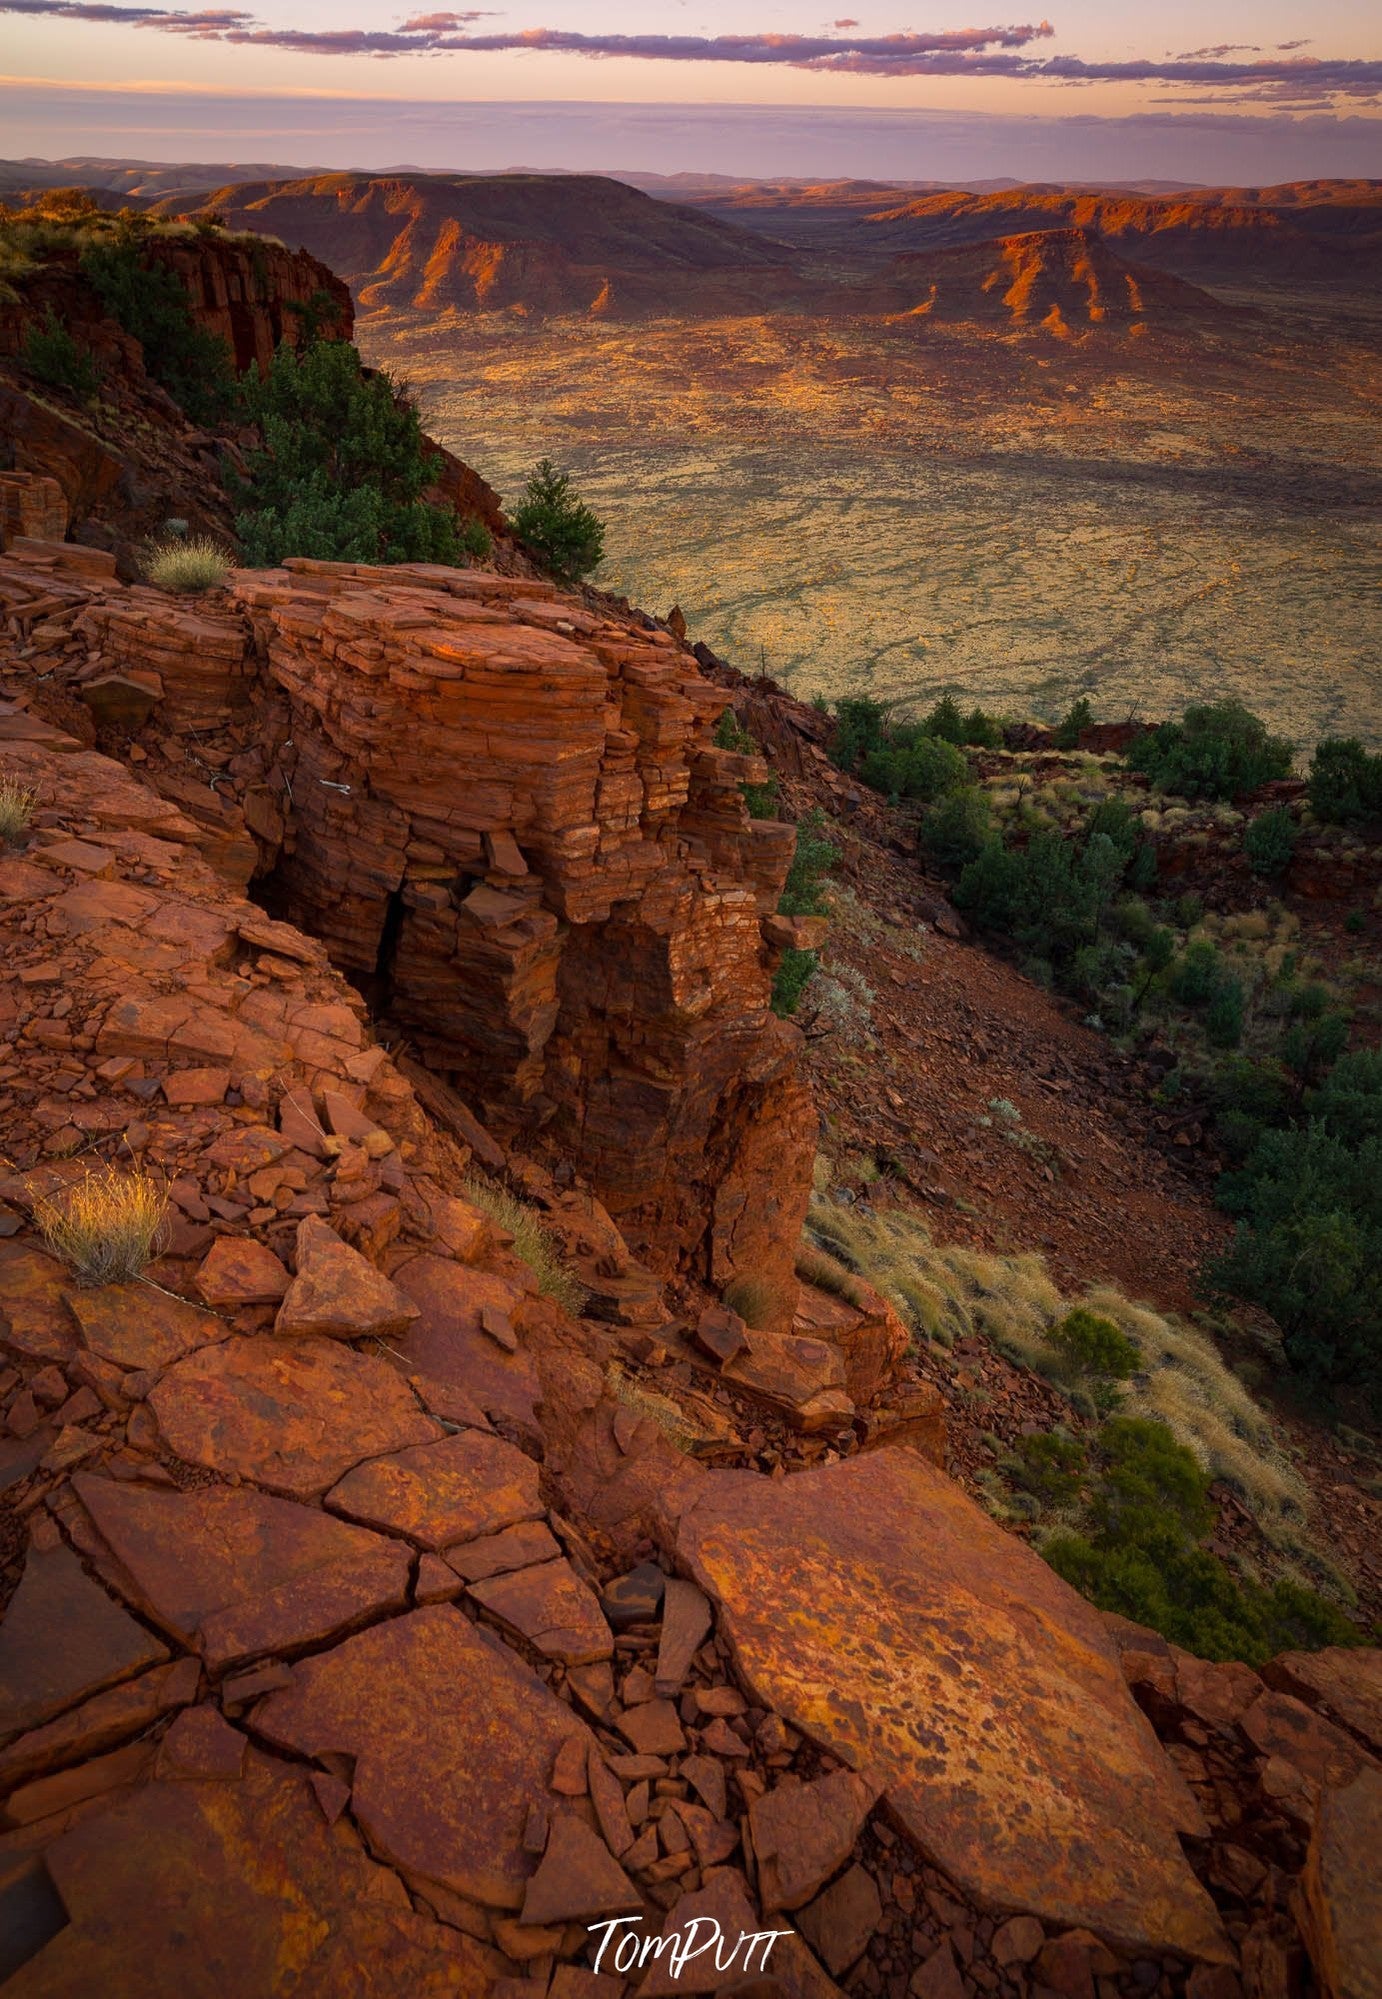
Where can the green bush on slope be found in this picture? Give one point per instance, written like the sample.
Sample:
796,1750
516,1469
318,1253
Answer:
343,468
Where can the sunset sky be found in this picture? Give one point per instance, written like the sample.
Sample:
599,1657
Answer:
1183,89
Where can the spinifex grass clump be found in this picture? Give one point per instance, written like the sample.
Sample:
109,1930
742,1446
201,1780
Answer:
17,804
185,567
533,1243
106,1227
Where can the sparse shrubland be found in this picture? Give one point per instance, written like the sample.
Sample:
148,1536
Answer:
1124,1502
557,525
105,1227
533,1242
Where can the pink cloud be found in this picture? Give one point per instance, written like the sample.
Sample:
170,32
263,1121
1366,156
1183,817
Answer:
992,51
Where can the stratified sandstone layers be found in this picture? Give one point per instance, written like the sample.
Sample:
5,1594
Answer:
502,814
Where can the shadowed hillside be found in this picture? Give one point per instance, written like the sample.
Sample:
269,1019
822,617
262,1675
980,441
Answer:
1061,280
525,242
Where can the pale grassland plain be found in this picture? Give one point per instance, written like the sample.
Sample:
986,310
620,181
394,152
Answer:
859,508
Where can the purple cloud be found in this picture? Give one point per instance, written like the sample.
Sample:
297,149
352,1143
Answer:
992,51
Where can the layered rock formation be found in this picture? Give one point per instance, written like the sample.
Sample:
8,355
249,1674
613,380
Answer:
500,813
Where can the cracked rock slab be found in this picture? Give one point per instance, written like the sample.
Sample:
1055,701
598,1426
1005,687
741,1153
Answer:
62,1640
877,1609
233,1574
453,1739
553,1609
292,1417
234,1888
134,1325
456,1489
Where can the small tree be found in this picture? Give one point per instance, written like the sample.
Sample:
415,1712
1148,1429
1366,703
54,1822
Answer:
343,468
1079,718
560,528
52,357
1270,841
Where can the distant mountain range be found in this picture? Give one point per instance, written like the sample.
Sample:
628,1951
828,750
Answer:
1045,257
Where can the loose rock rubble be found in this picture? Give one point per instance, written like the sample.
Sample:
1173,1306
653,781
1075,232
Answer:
374,1623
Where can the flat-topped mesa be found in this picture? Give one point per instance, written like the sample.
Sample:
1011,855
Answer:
502,813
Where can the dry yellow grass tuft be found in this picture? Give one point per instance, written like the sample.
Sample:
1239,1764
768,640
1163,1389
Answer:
185,567
17,804
944,1291
533,1242
106,1227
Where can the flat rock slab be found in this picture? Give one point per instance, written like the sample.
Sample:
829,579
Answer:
240,1271
234,1575
135,1325
578,1880
437,1494
803,1377
34,1319
804,1833
292,1417
496,1554
62,1640
453,1740
235,1889
875,1607
553,1609
448,1343
101,1723
337,1293
1345,1681
1343,1889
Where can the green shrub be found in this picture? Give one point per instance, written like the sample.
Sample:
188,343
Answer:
1345,782
1270,841
1309,1239
1199,974
151,304
1096,1346
343,468
1142,1557
560,529
1049,1467
1223,1021
794,973
955,833
860,724
924,768
982,731
803,894
52,356
1079,718
730,734
185,567
1216,750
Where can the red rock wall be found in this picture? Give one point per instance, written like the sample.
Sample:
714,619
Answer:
504,811
245,291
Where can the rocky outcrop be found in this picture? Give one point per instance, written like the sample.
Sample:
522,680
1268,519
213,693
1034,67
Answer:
501,814
255,294
328,1583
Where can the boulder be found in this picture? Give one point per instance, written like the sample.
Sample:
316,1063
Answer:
875,1607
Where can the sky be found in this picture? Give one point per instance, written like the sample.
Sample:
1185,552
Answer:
1242,91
